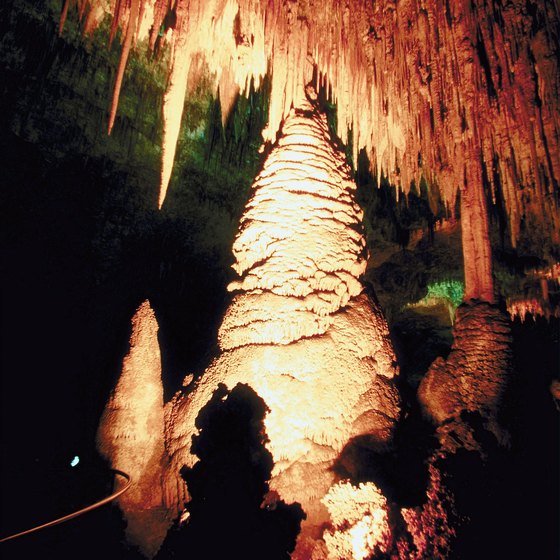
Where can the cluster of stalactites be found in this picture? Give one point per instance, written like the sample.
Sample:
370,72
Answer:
300,250
426,86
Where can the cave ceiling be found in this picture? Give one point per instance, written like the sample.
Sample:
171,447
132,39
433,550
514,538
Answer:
429,99
457,91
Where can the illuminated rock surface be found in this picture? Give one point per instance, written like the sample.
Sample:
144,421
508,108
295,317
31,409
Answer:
313,347
130,434
474,376
454,90
360,522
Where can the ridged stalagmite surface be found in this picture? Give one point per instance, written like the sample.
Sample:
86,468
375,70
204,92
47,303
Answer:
300,332
476,372
300,249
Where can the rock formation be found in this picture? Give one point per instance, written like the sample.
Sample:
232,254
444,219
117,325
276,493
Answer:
457,91
131,430
474,376
465,94
300,331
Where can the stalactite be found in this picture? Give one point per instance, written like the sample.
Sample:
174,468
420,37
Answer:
173,102
63,16
118,20
425,86
130,32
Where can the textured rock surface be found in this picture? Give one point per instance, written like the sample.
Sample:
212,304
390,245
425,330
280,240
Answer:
475,237
327,371
359,521
475,374
131,430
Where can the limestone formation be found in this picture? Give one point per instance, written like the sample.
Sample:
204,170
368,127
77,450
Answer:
300,332
465,94
474,376
456,91
130,433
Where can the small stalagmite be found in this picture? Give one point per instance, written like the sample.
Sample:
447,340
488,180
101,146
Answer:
300,331
130,433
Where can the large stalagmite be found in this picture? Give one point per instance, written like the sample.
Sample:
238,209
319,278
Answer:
300,331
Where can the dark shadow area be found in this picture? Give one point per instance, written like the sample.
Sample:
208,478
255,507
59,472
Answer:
228,486
61,332
401,472
77,260
189,298
95,535
48,490
419,337
508,498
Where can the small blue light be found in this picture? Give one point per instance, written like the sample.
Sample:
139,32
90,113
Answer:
74,461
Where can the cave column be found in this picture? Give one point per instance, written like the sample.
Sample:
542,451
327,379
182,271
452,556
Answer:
475,235
473,378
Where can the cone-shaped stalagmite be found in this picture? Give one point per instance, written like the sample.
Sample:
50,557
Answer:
474,376
300,331
131,429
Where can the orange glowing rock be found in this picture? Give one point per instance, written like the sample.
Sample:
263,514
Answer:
300,333
532,307
359,521
540,304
